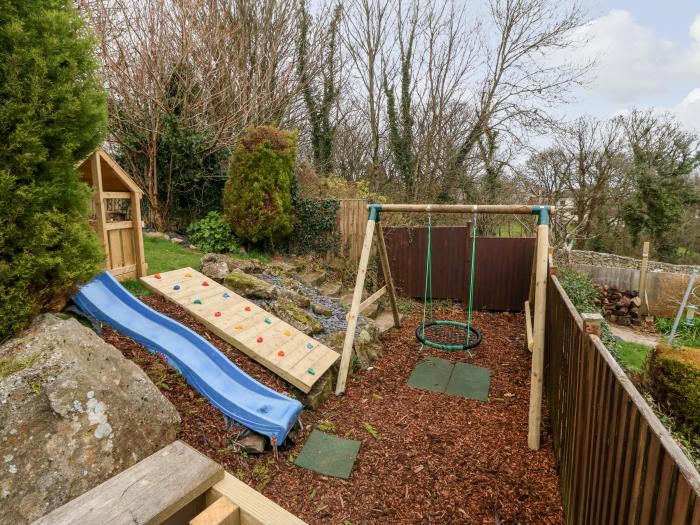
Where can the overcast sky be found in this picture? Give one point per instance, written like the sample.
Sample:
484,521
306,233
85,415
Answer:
648,54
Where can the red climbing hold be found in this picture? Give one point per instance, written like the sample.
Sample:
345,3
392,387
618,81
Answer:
157,276
280,353
259,339
217,314
247,308
205,283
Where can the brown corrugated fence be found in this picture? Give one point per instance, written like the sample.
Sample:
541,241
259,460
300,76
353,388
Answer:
501,274
617,462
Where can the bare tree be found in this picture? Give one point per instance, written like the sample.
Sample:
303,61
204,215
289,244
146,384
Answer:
219,66
519,83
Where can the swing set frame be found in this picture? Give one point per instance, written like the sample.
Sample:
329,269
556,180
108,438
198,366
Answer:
538,289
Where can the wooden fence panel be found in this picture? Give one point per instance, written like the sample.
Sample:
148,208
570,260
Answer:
501,274
350,225
617,462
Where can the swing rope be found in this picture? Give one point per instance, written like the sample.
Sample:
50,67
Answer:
443,334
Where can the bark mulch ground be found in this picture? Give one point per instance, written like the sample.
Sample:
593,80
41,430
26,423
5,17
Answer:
425,458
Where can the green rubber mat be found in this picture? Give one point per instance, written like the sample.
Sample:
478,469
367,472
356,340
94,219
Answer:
455,379
328,454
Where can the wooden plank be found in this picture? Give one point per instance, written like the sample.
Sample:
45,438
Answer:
126,238
681,505
298,358
119,225
644,308
386,270
255,509
147,493
537,367
118,272
528,326
354,309
222,512
372,299
139,254
98,204
115,248
116,195
505,209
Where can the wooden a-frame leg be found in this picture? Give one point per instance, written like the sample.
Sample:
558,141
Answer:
355,309
386,270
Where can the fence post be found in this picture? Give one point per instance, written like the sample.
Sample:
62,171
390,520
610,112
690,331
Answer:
644,310
591,323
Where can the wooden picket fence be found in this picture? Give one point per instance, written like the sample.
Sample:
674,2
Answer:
350,226
617,462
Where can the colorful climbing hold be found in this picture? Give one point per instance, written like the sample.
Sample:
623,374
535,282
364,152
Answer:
247,308
217,314
176,287
157,276
311,371
268,320
188,275
197,301
287,333
309,345
205,283
239,327
260,339
280,353
226,295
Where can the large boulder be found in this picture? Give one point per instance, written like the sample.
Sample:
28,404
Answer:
215,266
73,413
249,285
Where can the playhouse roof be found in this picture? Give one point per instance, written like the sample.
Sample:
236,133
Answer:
114,178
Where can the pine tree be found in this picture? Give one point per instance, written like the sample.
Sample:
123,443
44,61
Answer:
52,116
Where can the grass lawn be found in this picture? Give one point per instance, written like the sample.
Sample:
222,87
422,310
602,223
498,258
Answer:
163,256
632,355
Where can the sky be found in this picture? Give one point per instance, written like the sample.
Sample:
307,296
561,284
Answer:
648,55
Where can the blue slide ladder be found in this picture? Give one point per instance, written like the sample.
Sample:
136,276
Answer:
237,395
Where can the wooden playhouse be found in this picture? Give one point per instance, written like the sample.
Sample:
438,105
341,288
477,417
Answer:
116,215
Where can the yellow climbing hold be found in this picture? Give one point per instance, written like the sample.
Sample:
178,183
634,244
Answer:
287,333
239,327
188,275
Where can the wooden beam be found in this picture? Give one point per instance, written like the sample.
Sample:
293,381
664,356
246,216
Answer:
222,512
354,309
254,508
116,195
533,273
122,270
119,225
522,209
139,254
644,309
373,298
149,492
528,326
101,221
384,260
537,369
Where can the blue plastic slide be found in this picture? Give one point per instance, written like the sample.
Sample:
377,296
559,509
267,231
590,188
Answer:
227,387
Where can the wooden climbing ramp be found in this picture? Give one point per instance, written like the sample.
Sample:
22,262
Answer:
286,351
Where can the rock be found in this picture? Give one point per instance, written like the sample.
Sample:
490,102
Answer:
73,413
331,289
282,264
232,263
312,278
249,285
384,322
335,340
157,235
214,266
322,390
252,443
321,310
373,310
297,317
295,297
177,240
193,247
346,300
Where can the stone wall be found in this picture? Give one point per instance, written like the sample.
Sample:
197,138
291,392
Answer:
611,260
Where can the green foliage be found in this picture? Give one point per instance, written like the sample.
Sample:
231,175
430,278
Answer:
314,223
579,287
257,195
52,115
663,158
326,426
320,114
687,334
10,366
370,430
675,380
212,234
632,356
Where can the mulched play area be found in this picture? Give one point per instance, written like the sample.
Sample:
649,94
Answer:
425,456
